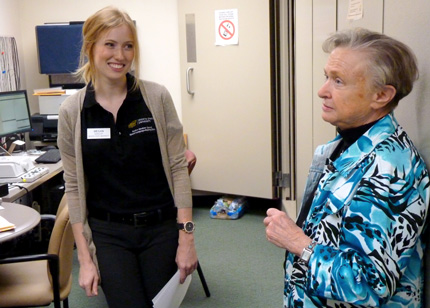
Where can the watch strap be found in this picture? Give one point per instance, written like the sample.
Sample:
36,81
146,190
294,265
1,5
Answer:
187,227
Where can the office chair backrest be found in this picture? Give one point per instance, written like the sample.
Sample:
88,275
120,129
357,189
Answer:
63,203
191,160
61,243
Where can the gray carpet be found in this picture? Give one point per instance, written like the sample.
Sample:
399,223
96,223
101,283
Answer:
241,268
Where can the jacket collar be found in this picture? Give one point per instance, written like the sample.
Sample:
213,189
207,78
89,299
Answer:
359,150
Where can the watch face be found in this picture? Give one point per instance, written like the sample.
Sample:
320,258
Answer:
306,255
189,226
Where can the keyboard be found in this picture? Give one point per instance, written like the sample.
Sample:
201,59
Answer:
50,157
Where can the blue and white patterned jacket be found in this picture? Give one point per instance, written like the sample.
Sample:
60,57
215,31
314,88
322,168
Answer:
367,217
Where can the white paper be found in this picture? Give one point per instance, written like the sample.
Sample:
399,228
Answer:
355,10
173,293
19,142
52,116
5,225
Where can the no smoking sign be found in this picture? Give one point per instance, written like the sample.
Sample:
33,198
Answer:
226,27
226,30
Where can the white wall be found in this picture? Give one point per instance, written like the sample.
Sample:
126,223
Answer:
9,23
157,25
10,26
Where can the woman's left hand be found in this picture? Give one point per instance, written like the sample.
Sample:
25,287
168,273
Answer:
186,256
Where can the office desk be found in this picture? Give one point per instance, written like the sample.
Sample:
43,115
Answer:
23,217
16,193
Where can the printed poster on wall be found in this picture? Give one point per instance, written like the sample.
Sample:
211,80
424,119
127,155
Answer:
226,27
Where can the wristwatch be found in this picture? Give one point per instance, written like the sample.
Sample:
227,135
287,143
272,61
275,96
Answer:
307,253
187,226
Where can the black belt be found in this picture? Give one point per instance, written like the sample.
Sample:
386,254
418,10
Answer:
143,219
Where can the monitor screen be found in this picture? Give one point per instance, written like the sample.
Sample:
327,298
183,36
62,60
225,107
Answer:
15,115
59,47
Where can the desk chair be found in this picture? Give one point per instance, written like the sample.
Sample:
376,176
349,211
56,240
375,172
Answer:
38,280
191,159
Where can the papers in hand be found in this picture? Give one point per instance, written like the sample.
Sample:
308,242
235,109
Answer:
5,225
172,294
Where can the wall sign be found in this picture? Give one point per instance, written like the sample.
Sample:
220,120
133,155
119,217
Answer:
226,27
355,10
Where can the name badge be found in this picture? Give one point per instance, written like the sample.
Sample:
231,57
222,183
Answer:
98,133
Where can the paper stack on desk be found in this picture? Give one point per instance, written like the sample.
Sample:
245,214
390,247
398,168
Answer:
49,91
5,225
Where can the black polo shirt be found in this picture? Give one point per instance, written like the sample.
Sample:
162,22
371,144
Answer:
122,160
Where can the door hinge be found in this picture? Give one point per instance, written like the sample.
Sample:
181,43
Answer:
281,179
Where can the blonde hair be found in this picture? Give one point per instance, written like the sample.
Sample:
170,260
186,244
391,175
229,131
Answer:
97,24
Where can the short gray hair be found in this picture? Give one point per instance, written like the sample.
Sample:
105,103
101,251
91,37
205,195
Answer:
390,62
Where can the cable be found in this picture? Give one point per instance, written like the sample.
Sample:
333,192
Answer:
27,192
20,187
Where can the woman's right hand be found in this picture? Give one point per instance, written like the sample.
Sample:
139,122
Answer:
282,231
89,278
88,274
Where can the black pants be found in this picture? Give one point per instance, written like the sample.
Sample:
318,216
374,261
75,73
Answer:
135,262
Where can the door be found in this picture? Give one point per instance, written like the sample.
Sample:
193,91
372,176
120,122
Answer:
228,98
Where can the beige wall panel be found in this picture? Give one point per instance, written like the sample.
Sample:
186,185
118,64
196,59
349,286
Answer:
304,94
324,23
408,21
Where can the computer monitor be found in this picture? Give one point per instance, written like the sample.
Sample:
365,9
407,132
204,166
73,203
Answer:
58,50
59,47
15,115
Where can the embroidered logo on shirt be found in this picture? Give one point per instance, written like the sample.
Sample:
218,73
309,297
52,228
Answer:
142,125
132,124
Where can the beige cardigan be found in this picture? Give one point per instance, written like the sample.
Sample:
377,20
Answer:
172,146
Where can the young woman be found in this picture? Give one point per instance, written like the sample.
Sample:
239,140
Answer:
127,182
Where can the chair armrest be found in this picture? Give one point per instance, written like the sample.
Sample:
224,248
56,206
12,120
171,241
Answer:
27,258
48,217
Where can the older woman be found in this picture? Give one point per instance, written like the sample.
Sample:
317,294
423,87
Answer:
358,238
